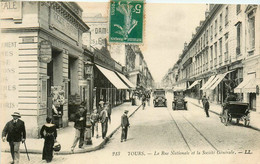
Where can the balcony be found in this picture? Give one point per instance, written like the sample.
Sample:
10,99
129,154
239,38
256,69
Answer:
250,52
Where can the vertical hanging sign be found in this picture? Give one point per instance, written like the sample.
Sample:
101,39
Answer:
126,21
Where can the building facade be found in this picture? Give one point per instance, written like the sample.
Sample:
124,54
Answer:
216,60
43,60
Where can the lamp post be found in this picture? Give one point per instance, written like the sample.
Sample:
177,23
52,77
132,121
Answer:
88,69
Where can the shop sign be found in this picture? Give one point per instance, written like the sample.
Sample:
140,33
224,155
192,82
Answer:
45,51
83,83
63,25
11,9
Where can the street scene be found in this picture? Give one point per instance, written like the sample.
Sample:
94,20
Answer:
161,133
129,82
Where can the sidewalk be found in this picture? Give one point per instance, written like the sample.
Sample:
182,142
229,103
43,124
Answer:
217,109
67,134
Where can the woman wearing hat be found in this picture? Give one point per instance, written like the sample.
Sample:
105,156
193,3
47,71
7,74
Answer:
49,133
15,132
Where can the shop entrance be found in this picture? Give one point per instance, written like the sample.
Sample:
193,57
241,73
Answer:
73,91
54,72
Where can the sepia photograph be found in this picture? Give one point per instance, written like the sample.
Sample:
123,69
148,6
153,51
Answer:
129,81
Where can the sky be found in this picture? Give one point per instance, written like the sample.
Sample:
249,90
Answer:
167,27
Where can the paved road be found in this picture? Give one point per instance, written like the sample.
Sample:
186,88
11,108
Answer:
161,134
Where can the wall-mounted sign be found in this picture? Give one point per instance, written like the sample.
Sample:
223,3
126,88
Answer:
11,9
45,51
60,23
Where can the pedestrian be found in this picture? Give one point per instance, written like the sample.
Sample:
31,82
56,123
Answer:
109,111
203,100
124,124
80,125
15,132
101,105
49,133
104,119
206,107
143,100
148,98
94,119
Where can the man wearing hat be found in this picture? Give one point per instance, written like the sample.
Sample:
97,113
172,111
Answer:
103,116
15,132
124,124
79,125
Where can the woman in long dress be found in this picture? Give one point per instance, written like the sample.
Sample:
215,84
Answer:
49,133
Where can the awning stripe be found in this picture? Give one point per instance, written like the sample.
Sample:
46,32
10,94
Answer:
208,82
193,84
126,80
113,78
247,86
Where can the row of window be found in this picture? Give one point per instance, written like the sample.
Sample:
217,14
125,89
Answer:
203,40
218,53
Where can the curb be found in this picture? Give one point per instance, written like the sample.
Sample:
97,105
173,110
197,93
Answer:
99,146
251,127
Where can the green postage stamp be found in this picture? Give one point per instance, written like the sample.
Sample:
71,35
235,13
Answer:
126,21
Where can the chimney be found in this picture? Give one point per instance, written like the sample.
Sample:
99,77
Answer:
211,6
185,45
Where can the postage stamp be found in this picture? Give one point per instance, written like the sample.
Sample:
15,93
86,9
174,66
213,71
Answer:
126,21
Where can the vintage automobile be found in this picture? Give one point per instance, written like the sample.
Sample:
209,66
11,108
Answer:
237,110
159,98
178,99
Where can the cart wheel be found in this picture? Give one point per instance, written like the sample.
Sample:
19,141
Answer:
221,119
237,120
246,123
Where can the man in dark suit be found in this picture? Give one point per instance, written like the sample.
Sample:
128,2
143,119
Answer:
206,107
104,120
15,132
79,125
124,124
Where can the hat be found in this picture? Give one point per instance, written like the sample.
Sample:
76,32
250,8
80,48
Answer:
126,111
16,114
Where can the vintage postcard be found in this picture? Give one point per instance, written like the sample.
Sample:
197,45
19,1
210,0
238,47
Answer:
129,81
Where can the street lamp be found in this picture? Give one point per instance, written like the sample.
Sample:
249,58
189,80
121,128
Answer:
88,69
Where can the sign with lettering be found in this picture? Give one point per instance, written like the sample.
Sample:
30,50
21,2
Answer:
11,9
126,21
45,51
9,72
63,25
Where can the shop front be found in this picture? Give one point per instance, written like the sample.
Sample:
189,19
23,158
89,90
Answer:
44,58
249,87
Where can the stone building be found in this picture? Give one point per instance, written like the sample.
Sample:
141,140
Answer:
41,46
216,60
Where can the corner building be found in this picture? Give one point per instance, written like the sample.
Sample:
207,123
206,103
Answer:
32,68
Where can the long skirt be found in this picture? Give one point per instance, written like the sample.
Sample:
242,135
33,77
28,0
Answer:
47,153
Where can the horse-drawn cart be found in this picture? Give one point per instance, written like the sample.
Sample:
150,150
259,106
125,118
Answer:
237,110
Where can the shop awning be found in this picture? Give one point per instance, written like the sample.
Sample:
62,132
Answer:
208,82
248,85
125,80
113,78
218,78
194,83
